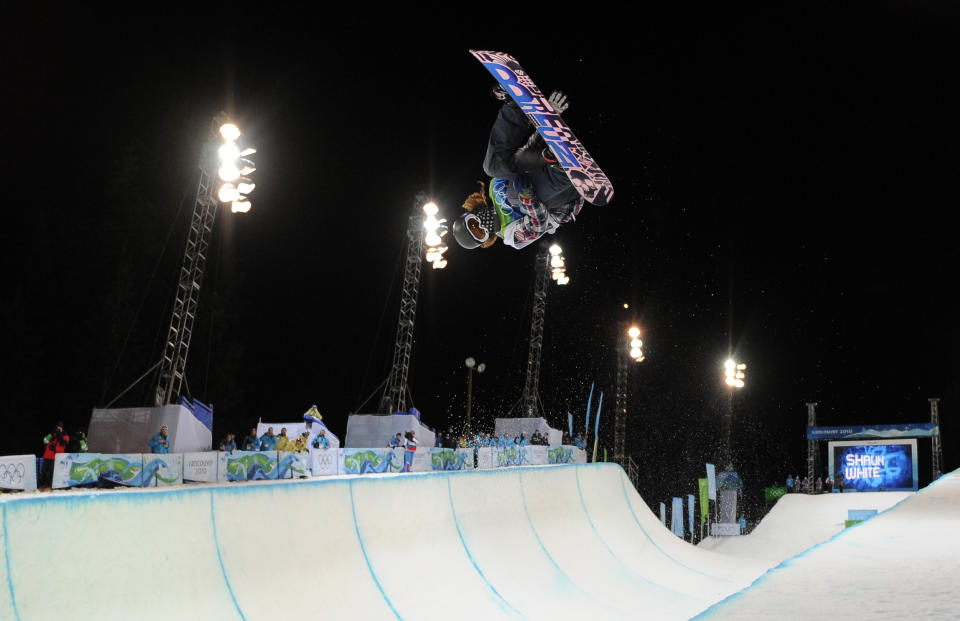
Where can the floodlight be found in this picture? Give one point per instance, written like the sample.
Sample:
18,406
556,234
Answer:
556,261
229,172
229,131
470,362
247,167
247,152
228,152
245,188
563,280
431,209
636,353
228,193
439,265
636,343
555,250
633,332
430,223
432,239
240,206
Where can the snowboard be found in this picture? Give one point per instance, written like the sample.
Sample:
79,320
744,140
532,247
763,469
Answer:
572,157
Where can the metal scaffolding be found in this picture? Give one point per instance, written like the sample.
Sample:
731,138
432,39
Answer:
811,444
620,414
174,361
531,399
937,448
395,392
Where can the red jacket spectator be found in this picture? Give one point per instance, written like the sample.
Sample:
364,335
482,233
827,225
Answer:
56,442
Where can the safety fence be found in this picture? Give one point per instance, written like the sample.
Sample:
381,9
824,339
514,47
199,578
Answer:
157,470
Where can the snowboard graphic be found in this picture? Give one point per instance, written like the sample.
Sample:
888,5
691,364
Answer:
583,172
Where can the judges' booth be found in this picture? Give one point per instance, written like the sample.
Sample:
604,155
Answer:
375,430
513,427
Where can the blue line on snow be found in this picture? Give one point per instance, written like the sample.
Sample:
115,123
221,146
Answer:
363,549
223,570
6,558
466,549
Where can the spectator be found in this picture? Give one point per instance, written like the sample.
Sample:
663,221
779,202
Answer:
789,483
284,443
579,442
438,439
462,442
228,444
523,439
411,449
251,442
78,443
160,443
268,441
450,439
396,441
806,485
829,483
819,485
743,525
322,441
300,444
54,442
566,439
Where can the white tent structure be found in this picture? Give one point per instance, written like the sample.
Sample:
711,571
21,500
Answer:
375,430
128,430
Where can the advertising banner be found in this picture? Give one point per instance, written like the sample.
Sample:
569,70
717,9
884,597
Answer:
704,500
485,459
200,467
868,432
690,503
874,466
711,482
774,493
160,470
18,472
451,459
676,517
247,466
71,469
512,456
566,455
293,465
372,460
325,462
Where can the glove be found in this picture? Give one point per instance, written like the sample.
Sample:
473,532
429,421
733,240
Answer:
499,93
559,101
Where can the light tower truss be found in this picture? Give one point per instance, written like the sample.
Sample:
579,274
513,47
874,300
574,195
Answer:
395,391
531,400
174,361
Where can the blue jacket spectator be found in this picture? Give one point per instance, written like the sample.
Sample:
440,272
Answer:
578,442
251,442
790,483
228,445
160,443
502,441
523,440
268,441
396,441
321,441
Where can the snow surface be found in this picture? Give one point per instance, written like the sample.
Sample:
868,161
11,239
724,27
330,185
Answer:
798,522
539,543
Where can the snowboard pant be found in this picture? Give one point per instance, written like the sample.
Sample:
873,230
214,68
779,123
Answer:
508,155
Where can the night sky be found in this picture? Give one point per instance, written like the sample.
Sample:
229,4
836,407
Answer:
783,178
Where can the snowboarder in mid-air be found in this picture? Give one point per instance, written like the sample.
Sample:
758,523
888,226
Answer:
529,194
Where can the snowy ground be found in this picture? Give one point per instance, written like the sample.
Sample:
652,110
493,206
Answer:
901,564
798,522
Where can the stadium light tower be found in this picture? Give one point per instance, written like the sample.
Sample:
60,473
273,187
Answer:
549,261
471,364
630,349
235,168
